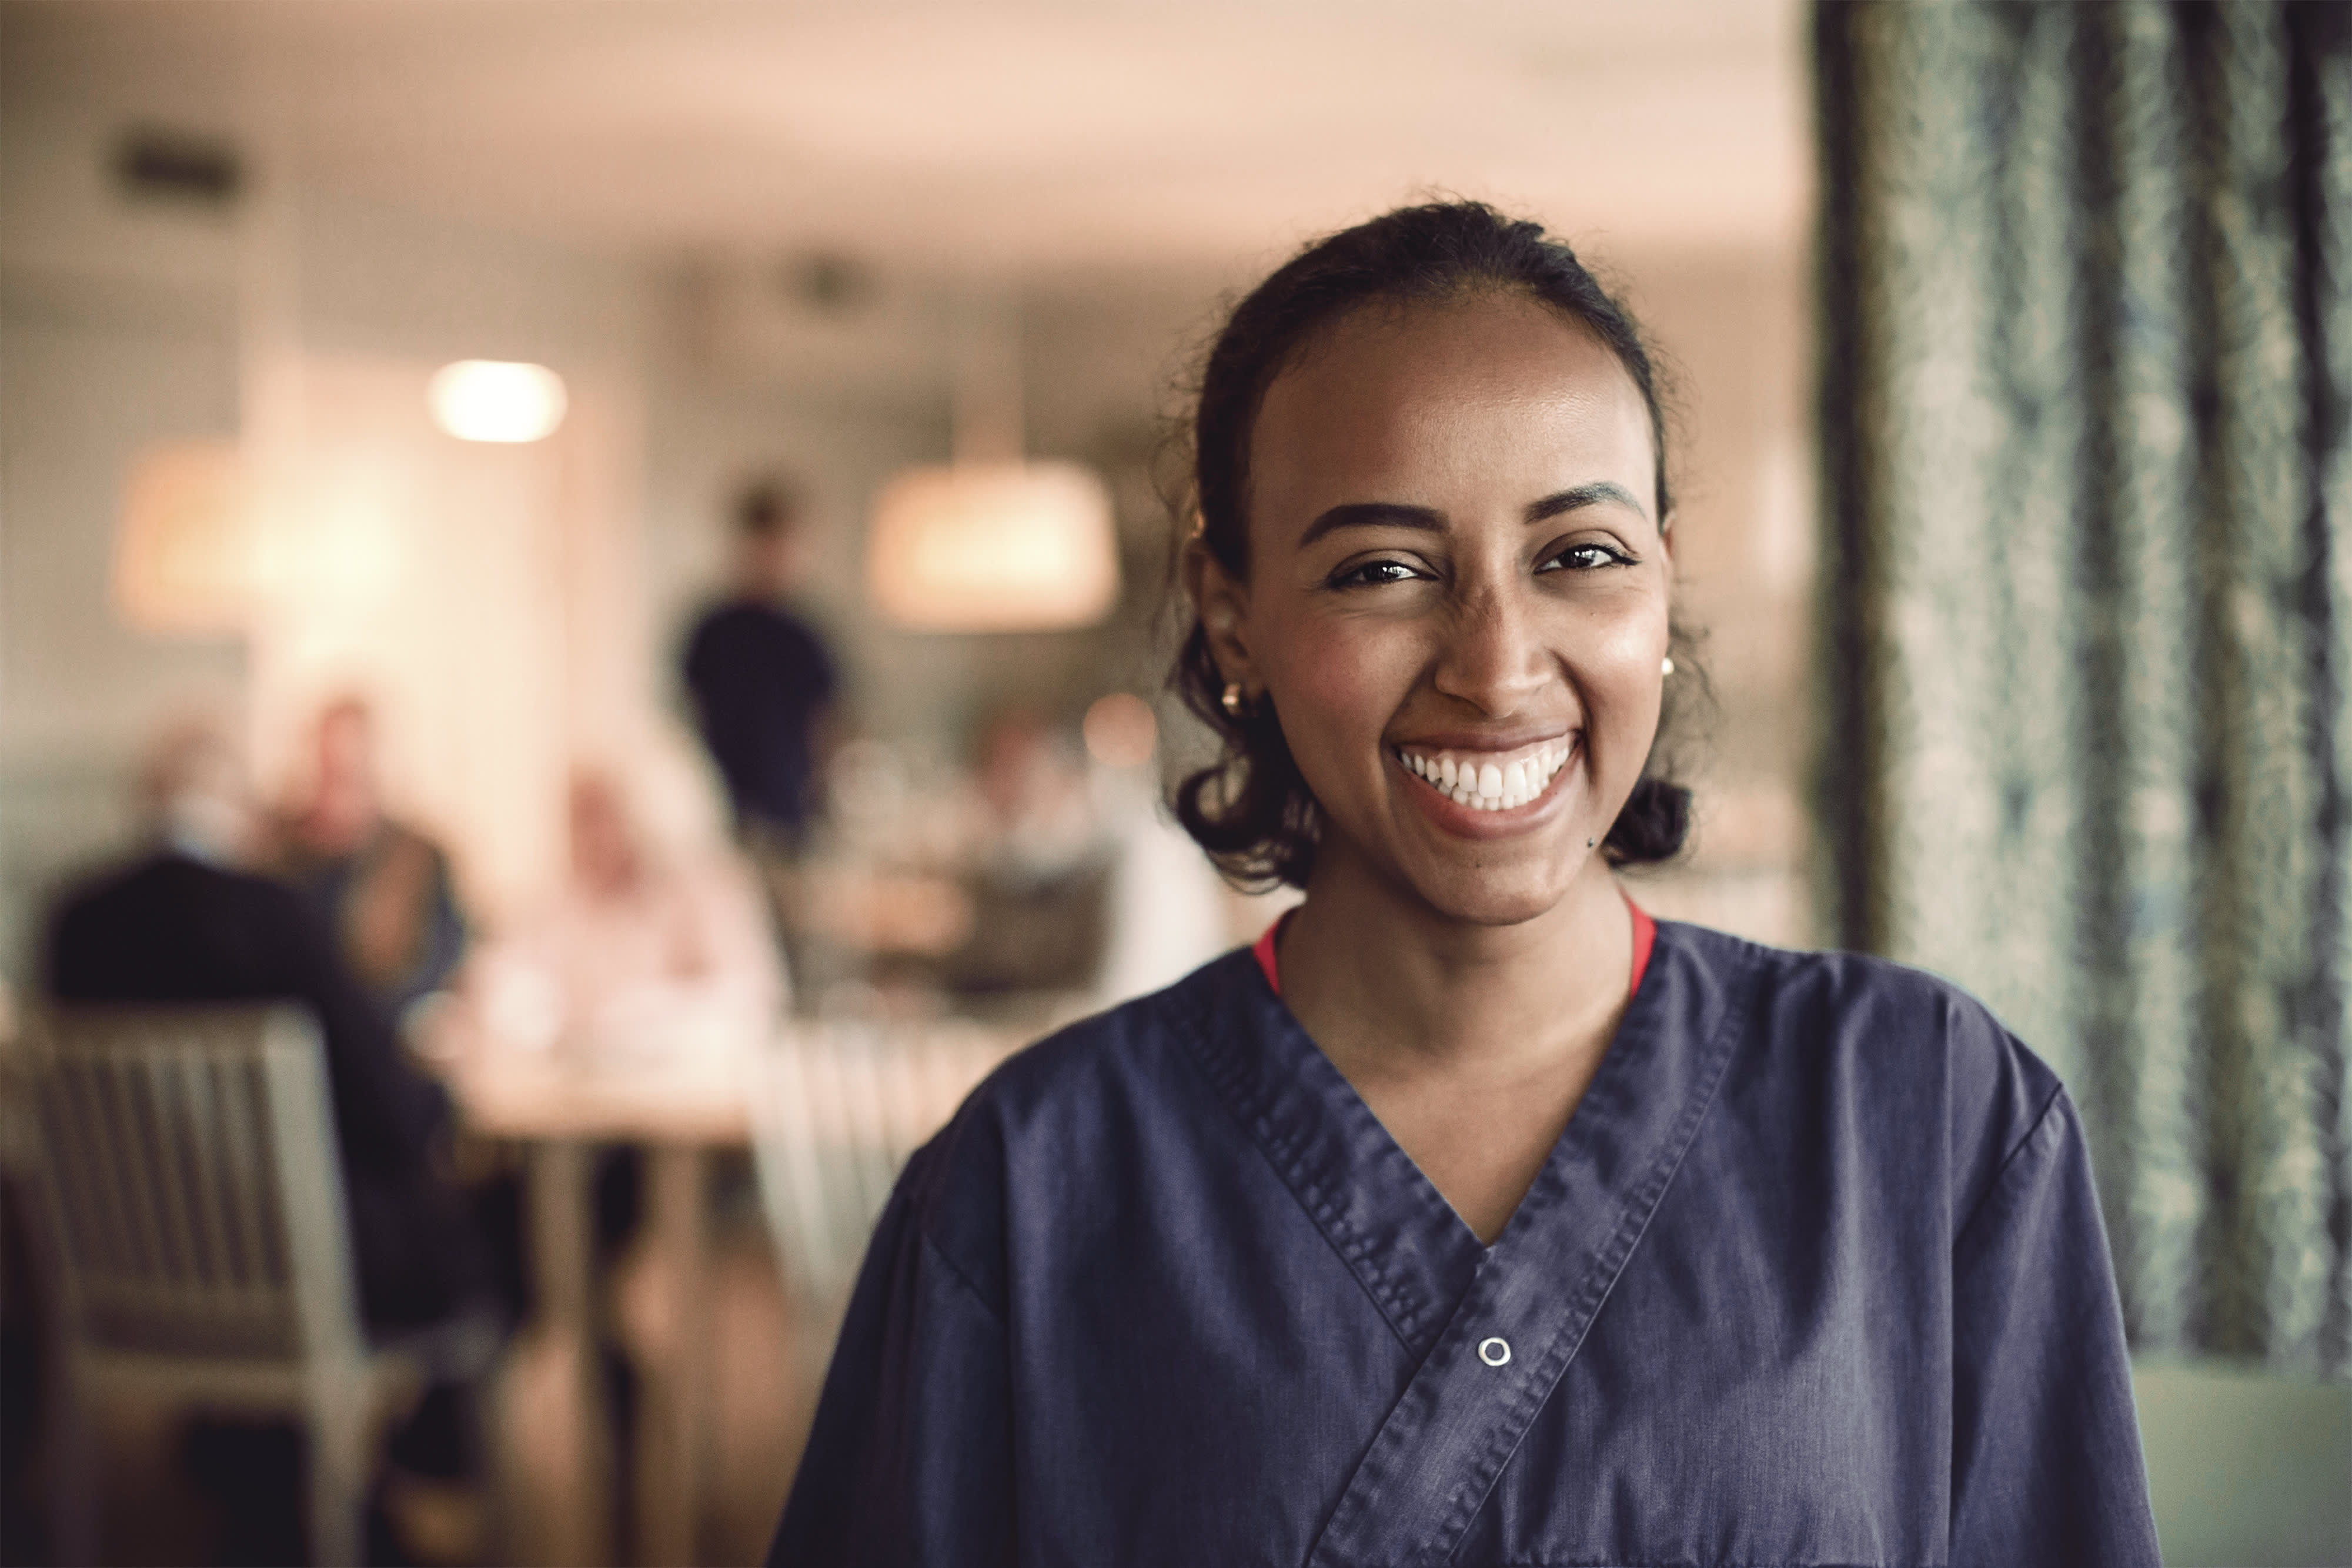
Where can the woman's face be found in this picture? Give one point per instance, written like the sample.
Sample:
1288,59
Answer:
1457,595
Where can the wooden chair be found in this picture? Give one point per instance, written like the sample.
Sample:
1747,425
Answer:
203,1248
837,1108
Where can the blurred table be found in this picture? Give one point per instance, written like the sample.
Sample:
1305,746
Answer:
879,1088
678,1112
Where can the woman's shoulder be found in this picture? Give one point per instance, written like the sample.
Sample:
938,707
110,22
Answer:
1131,1048
1852,997
1058,1089
1105,1096
1908,1048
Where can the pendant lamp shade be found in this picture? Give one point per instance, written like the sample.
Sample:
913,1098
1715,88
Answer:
993,547
186,544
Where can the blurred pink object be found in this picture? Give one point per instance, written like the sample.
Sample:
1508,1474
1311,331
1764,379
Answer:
642,955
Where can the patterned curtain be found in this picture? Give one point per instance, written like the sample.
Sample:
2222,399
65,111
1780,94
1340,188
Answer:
2086,316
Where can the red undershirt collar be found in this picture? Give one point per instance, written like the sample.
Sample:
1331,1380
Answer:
1645,936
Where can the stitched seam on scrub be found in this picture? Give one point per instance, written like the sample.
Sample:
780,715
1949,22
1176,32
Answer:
1217,1062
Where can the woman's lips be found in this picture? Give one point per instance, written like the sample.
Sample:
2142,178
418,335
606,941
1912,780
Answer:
1489,780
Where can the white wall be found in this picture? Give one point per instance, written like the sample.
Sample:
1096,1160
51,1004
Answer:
1736,328
117,328
515,628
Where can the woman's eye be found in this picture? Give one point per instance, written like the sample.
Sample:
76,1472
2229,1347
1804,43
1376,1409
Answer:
1586,558
1374,572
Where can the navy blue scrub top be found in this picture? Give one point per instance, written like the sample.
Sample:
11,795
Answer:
1814,1276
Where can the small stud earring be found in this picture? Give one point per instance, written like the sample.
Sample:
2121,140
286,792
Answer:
1667,665
1233,699
1588,844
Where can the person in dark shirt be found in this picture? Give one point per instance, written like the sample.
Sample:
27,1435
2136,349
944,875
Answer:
184,921
761,680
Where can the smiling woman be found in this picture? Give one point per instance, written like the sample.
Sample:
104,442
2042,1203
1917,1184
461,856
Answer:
1475,1217
1252,809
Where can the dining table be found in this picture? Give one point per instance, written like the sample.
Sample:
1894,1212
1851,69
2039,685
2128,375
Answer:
867,1091
559,1112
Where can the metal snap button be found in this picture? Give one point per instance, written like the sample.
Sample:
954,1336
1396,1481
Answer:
1494,1352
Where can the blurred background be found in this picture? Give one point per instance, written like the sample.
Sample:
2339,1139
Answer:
427,429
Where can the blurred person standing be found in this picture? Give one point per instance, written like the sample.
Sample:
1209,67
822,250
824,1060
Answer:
188,920
380,885
761,677
762,683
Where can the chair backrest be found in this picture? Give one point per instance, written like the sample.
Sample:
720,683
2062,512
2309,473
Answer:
837,1110
193,1172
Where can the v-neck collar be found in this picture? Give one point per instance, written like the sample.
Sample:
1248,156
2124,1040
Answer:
1491,1331
1413,1254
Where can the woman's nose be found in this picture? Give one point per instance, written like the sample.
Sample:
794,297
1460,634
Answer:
1492,658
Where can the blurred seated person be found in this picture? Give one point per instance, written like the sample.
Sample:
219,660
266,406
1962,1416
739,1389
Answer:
654,951
187,920
645,951
1042,864
382,887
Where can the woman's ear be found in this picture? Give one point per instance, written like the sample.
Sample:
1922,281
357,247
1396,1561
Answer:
1222,601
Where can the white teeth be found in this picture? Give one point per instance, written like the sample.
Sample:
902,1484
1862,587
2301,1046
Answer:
1491,785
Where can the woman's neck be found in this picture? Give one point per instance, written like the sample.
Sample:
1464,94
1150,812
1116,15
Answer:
1386,985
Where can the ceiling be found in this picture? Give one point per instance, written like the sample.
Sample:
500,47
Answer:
958,136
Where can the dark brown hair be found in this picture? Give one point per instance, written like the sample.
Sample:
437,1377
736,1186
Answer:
1251,809
767,509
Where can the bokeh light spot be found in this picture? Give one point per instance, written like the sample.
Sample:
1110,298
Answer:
1120,731
496,400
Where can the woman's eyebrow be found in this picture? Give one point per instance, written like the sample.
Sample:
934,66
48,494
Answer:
1578,496
1373,515
1429,519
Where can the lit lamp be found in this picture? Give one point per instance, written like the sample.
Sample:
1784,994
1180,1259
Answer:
496,400
185,545
990,542
993,547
